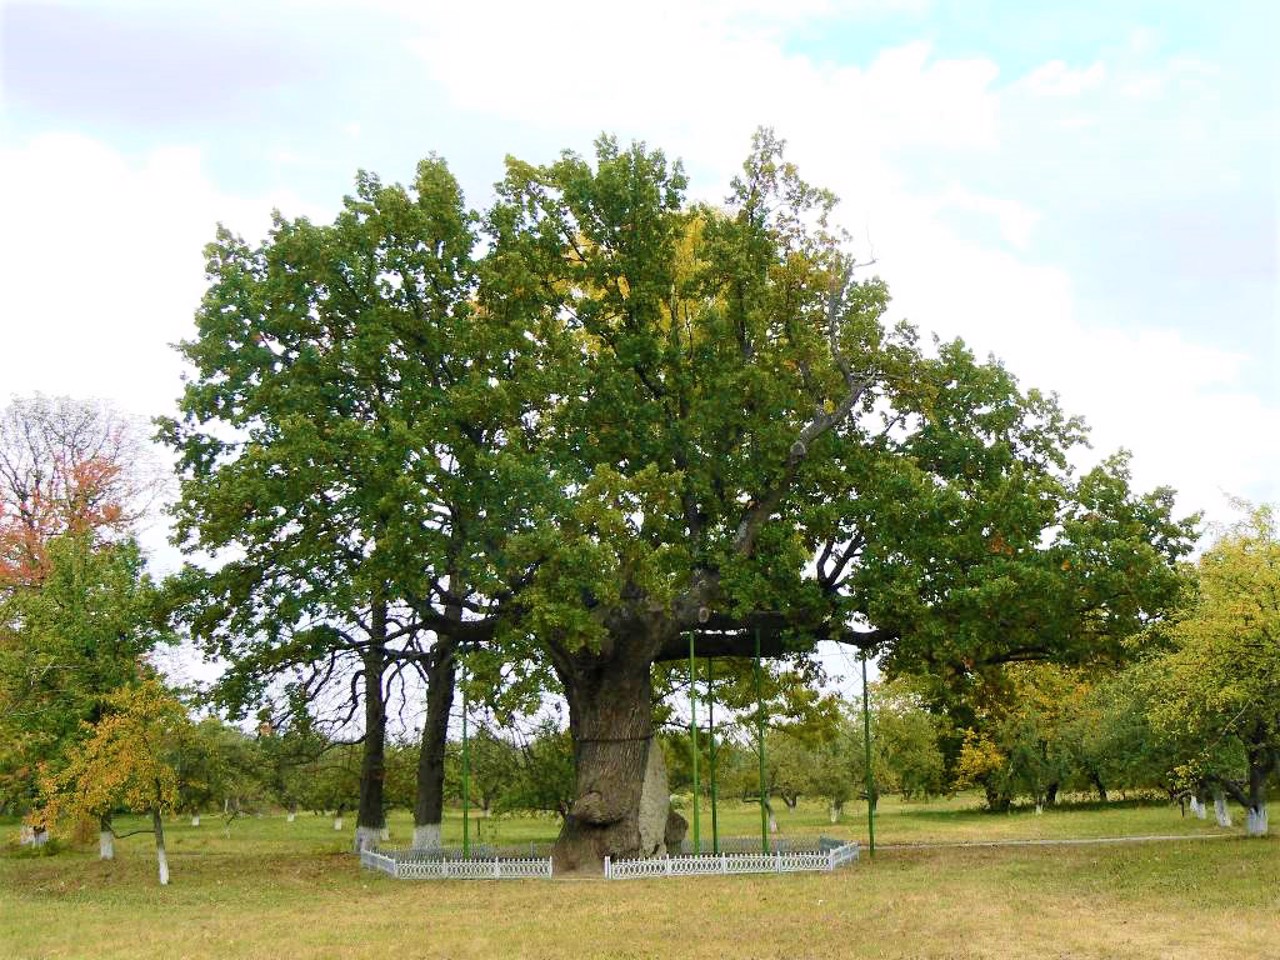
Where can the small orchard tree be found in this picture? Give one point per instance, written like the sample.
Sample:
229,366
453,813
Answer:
543,779
66,642
127,761
1221,681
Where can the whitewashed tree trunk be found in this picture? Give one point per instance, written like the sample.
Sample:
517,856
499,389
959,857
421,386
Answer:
1255,824
773,823
337,823
367,838
195,819
290,817
426,836
1220,809
1198,809
384,834
157,824
833,812
1039,809
106,845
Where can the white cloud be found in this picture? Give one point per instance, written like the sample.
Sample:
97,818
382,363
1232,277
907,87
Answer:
1169,398
1056,79
103,268
700,89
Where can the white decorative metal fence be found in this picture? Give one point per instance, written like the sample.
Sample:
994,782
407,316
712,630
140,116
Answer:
828,855
411,865
825,859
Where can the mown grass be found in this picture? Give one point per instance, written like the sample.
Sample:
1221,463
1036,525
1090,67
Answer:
273,889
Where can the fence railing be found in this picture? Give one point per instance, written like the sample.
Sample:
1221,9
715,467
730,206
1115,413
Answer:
476,851
737,845
412,865
826,855
830,855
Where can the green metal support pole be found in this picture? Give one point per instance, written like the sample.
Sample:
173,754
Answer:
764,813
693,740
466,782
871,776
711,750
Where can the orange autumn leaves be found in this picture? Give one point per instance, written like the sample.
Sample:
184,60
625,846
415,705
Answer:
79,498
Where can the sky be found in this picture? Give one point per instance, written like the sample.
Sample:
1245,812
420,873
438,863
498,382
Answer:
1089,194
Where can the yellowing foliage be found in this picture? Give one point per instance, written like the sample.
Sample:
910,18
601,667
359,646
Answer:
123,762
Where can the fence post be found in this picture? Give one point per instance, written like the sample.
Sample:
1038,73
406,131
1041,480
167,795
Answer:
831,860
724,863
606,868
777,862
497,872
668,866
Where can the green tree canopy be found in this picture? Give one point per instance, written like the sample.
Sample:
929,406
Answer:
599,415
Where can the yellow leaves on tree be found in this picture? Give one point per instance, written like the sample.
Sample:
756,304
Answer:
979,759
125,759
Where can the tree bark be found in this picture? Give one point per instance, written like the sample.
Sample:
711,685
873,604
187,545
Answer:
1098,785
610,720
1220,810
162,858
106,839
428,807
1261,763
371,817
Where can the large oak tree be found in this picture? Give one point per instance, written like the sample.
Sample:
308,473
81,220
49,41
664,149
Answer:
640,416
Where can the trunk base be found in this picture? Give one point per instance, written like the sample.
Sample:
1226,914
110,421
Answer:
367,838
106,846
1221,811
426,836
1255,824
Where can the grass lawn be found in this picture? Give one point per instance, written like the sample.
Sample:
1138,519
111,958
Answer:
273,889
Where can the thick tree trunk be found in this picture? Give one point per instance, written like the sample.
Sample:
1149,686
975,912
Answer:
610,704
1261,763
428,807
162,858
371,817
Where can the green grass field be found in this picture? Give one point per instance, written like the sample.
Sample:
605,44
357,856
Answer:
270,889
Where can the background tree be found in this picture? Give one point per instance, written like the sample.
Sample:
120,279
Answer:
351,371
77,611
544,775
1221,681
66,645
908,736
126,761
67,467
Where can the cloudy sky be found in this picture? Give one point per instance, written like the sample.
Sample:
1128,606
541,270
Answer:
1091,194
